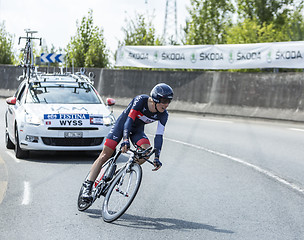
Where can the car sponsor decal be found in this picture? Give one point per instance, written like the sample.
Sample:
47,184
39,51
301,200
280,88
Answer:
96,120
72,120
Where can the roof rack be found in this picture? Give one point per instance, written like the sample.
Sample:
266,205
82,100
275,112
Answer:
59,77
31,72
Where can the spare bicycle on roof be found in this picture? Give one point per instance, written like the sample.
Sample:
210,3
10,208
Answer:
28,58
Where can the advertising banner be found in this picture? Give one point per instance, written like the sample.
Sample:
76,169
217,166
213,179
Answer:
226,56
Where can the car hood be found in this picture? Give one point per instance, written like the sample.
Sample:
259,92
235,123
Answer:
92,109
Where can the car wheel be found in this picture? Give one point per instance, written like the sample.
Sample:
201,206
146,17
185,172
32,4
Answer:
8,143
18,151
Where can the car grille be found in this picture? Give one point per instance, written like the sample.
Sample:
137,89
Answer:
74,128
72,141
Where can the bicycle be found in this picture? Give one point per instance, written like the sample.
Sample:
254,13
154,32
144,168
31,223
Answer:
119,187
28,56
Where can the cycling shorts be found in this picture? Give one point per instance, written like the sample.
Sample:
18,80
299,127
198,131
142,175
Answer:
137,136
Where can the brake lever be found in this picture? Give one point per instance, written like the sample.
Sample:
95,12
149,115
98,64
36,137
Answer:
144,154
148,155
151,153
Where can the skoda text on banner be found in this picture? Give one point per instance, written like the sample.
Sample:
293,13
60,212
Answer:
226,56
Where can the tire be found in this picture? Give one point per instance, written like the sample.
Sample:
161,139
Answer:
8,143
115,203
19,153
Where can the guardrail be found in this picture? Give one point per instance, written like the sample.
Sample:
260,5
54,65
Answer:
260,95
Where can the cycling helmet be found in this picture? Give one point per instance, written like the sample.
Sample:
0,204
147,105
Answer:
161,90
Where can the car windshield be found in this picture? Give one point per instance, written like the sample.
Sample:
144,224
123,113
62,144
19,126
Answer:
62,93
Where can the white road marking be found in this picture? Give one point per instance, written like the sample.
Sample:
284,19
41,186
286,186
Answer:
259,169
26,193
12,155
210,120
3,181
1,161
297,129
3,187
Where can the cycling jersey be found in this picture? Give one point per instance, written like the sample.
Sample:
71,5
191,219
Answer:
131,122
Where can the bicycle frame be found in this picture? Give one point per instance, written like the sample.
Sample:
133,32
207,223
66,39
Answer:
112,179
102,184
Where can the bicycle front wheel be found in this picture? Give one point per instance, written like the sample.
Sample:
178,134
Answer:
121,193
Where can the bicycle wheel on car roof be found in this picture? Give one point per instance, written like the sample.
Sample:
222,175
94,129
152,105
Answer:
121,193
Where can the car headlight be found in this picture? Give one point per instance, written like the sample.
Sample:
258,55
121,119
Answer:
32,119
108,120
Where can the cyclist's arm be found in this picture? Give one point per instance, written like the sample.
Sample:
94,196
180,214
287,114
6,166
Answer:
136,106
158,139
158,142
128,124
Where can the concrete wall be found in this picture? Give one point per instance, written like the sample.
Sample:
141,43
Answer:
8,77
261,95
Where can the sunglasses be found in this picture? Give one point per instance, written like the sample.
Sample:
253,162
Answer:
165,100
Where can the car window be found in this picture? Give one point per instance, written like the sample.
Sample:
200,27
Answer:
19,89
20,93
62,93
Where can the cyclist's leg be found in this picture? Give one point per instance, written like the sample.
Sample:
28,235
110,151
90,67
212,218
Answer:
140,139
101,159
94,172
108,149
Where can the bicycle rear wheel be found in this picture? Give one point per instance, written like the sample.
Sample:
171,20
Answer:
121,193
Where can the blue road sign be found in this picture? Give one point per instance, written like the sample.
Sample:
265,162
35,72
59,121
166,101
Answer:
52,57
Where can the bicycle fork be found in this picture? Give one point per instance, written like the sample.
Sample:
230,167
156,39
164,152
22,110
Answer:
124,193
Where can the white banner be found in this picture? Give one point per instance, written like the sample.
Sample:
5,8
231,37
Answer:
226,56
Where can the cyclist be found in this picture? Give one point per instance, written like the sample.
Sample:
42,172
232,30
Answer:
130,125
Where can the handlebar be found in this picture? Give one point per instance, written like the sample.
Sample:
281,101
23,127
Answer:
30,38
144,153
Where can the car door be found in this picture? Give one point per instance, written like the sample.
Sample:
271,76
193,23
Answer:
12,110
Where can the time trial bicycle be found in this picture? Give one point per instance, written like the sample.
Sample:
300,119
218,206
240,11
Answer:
118,186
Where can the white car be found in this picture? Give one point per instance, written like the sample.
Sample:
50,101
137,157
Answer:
57,112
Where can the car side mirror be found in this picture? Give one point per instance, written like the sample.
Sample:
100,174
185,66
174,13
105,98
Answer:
11,100
110,101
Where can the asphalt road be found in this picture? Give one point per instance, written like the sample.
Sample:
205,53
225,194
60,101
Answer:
222,178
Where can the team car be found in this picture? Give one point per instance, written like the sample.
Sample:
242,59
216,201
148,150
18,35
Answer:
57,112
